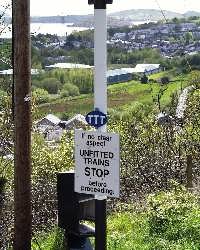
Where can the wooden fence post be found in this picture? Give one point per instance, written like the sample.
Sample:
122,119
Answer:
189,172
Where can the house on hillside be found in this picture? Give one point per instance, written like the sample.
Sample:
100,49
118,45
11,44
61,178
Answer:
49,127
121,36
53,128
48,121
78,121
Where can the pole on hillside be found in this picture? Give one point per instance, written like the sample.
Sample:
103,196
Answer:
22,119
189,172
100,103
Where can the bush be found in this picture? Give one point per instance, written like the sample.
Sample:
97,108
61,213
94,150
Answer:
174,215
144,79
71,89
194,79
82,78
64,93
3,96
164,80
41,95
52,85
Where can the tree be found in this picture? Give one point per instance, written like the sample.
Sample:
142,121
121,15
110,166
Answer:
188,37
36,58
52,85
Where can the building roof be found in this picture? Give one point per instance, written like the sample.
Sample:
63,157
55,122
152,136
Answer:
139,68
74,122
116,72
54,120
10,71
128,70
142,68
68,66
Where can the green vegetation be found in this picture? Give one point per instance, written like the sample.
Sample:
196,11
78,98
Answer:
5,54
121,98
54,81
170,221
152,155
51,241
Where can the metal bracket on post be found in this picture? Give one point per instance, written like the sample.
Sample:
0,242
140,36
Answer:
73,208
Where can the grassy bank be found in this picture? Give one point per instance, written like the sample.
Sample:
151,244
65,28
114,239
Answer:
170,221
121,97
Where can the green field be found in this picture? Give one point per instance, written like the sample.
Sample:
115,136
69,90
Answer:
121,97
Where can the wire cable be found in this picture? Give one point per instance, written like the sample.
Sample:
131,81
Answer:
172,32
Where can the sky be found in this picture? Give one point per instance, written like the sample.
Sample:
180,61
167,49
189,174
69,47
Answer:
78,7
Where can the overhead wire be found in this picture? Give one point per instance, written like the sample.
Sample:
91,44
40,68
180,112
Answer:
172,32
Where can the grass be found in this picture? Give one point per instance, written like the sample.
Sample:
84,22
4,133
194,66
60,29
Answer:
49,241
121,97
126,231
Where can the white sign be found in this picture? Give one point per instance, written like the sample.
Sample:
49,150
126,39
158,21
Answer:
97,163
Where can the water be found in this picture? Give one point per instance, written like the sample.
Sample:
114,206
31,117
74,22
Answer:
59,29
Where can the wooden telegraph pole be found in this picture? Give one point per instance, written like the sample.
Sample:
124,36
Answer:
22,119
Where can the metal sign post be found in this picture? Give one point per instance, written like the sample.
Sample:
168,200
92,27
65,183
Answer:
100,103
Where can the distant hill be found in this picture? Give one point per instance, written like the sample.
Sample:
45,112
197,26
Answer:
145,15
121,18
191,13
61,19
78,20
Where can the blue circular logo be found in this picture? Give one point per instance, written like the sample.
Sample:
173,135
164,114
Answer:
96,118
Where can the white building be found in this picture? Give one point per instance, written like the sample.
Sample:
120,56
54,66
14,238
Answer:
68,66
146,68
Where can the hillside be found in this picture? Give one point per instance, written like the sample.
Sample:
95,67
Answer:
61,19
121,97
116,19
129,15
145,14
191,13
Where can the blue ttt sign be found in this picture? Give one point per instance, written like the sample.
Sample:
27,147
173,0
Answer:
96,118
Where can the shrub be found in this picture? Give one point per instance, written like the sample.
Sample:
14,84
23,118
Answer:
41,95
164,80
52,85
3,96
194,79
64,93
174,215
144,79
72,89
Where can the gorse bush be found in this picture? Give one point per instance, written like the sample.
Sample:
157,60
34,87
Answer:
174,215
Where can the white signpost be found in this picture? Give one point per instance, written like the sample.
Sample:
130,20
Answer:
97,153
97,163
